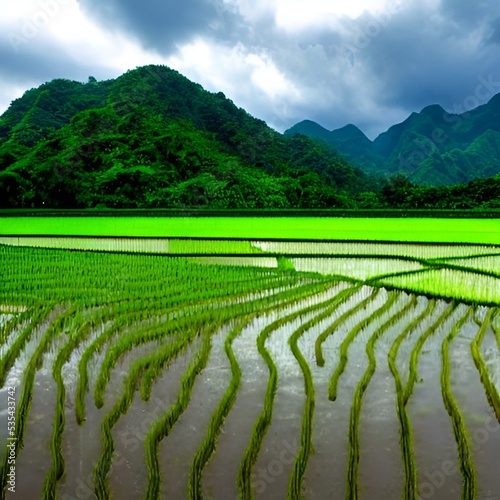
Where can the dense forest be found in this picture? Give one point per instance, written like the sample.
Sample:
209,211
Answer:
432,147
153,139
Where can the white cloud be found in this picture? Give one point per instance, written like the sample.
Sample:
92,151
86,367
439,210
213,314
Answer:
249,77
294,15
281,60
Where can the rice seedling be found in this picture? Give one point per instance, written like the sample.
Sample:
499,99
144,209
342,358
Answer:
461,435
489,387
126,308
354,445
406,434
413,373
320,360
300,465
344,347
209,444
262,423
463,285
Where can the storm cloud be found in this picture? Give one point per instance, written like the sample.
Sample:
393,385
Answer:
371,63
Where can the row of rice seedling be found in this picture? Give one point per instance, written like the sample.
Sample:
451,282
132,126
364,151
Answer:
488,263
461,435
164,356
353,333
19,340
263,421
355,267
129,245
354,445
406,437
320,360
209,443
162,426
24,403
412,250
212,246
461,285
306,446
415,353
135,245
321,303
10,322
489,386
76,336
239,261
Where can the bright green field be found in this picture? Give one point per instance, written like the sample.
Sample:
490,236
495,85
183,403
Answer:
390,229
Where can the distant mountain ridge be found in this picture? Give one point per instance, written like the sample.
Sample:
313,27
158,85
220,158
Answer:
432,146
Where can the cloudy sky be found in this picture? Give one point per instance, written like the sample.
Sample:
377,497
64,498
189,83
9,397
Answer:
367,62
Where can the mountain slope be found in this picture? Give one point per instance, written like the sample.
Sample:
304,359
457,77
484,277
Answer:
431,147
153,138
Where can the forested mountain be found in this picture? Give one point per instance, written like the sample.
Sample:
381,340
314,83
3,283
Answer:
432,147
153,139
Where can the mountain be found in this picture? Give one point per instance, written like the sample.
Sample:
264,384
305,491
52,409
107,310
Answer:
431,147
153,138
348,140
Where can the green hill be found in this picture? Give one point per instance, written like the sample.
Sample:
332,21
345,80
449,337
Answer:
153,139
432,147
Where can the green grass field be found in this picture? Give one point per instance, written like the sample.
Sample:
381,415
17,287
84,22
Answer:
483,231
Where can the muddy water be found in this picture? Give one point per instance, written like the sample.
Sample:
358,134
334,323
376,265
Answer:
483,428
434,440
282,441
81,444
380,467
128,476
219,476
326,469
33,461
379,474
178,449
272,473
406,347
219,479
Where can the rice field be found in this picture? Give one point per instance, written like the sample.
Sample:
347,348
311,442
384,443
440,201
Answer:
409,229
149,368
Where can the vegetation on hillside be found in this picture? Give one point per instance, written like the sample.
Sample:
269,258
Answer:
153,139
432,147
